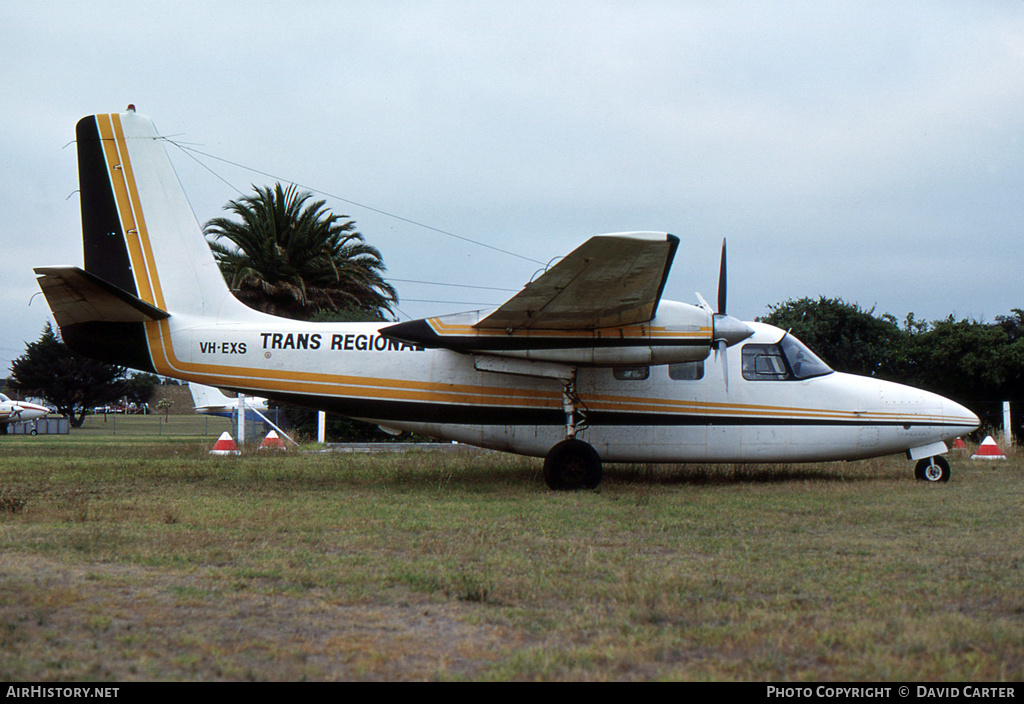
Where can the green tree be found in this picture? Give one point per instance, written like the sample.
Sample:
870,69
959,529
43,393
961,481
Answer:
966,360
291,257
50,370
139,387
847,337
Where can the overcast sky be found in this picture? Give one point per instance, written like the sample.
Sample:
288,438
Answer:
872,151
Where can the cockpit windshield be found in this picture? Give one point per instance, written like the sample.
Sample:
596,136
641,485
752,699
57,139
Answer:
787,360
804,363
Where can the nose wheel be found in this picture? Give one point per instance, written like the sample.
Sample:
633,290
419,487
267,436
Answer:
932,469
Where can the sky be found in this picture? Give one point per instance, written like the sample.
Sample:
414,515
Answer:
869,151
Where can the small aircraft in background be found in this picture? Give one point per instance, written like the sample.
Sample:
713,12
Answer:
211,401
12,411
586,364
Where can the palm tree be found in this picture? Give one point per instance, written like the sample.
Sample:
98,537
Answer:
296,259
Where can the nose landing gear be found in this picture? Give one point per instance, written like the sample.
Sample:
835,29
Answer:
932,469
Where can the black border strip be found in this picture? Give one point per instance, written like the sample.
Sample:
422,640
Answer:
103,246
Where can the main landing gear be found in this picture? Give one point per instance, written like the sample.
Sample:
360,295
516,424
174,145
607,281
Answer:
932,469
572,464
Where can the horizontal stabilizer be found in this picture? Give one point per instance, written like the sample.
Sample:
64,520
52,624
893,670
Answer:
76,296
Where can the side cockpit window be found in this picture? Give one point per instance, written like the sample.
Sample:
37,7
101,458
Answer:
788,360
764,363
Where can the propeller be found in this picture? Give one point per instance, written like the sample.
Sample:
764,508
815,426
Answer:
727,330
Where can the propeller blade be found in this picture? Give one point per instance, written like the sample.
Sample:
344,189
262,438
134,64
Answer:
722,283
727,330
704,304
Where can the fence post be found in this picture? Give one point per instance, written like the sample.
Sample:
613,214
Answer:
1007,427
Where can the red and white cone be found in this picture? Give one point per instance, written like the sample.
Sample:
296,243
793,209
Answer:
225,445
988,450
272,442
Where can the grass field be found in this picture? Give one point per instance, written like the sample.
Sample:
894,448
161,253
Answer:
149,559
190,426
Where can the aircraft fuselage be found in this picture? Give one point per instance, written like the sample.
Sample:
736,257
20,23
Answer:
660,413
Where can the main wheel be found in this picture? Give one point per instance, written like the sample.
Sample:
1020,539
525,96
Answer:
571,465
932,469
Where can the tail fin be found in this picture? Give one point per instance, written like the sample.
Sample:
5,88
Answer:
211,401
138,229
203,396
141,239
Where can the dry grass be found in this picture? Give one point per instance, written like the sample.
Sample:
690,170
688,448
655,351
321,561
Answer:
157,561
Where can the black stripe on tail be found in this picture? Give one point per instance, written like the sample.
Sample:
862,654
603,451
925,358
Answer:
104,248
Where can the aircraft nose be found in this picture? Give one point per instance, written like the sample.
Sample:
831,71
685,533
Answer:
974,420
964,419
30,408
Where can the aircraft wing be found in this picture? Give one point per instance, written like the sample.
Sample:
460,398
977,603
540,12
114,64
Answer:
594,307
608,281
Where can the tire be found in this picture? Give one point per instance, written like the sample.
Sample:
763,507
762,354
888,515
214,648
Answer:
572,465
932,470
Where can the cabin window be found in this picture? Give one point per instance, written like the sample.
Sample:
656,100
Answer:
686,371
631,373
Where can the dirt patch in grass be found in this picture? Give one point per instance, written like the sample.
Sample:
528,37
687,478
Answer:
127,623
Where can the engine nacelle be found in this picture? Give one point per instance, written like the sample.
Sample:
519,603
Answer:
678,333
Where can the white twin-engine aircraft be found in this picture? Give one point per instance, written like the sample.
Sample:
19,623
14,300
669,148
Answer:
12,411
585,364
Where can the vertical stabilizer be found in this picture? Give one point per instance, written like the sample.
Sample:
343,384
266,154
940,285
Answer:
208,396
138,230
146,260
